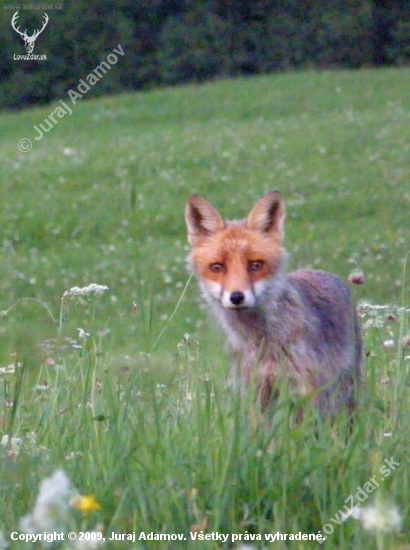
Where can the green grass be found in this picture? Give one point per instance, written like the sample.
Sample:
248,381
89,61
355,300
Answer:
139,414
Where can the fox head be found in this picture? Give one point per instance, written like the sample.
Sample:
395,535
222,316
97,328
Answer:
236,261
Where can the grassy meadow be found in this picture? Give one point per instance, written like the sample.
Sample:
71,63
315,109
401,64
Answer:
125,391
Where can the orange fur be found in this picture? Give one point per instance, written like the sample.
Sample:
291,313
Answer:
235,247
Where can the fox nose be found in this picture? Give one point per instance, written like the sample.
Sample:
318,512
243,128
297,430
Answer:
237,298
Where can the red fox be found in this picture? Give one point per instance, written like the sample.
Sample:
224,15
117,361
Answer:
302,325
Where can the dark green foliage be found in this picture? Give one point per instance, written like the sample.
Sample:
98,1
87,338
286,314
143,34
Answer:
179,41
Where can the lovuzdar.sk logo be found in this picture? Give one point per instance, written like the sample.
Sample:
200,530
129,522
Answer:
29,41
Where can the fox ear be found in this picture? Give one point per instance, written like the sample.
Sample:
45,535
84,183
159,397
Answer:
268,215
202,219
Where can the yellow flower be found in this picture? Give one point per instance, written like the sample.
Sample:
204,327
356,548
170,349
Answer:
87,504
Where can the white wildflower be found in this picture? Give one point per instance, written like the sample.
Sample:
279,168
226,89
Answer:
42,387
367,306
93,288
51,506
10,369
374,322
378,518
73,455
82,334
388,343
12,443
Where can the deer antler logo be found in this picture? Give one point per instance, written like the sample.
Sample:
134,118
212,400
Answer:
29,41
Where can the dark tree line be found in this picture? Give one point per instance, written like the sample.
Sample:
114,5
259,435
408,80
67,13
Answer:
168,42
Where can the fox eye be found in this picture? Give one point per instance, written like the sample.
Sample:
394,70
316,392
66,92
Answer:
257,265
216,267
